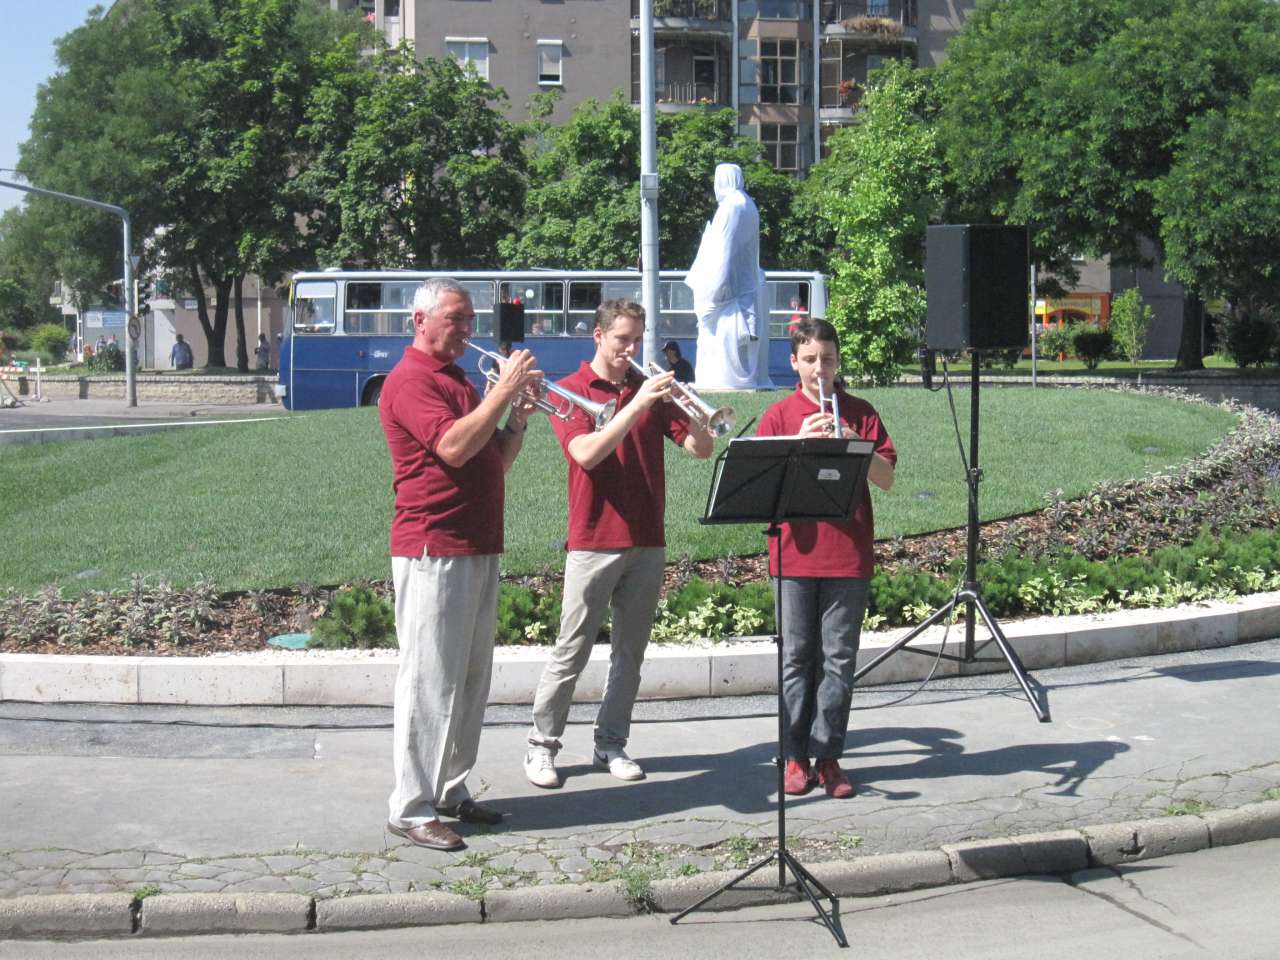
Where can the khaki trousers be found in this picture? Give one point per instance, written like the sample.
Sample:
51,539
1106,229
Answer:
446,609
628,581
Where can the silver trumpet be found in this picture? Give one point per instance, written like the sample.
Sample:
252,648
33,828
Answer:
830,403
715,422
600,413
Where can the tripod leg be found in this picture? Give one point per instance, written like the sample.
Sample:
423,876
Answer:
1015,662
805,883
897,645
728,886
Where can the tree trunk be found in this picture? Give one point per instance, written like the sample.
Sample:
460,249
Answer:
221,307
1191,346
242,350
213,343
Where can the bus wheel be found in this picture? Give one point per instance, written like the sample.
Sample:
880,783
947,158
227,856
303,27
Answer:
372,392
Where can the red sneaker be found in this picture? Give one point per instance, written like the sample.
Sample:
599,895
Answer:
797,778
833,779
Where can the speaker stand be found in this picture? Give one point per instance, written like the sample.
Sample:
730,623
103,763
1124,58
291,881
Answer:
971,594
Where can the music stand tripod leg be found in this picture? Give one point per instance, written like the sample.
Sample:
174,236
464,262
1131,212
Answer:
1015,662
897,645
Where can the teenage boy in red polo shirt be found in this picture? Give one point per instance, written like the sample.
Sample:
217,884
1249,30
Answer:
617,498
827,570
448,458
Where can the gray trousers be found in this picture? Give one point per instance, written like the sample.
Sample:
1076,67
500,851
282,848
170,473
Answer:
821,623
446,609
628,581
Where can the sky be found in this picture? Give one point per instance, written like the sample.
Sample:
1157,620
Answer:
27,32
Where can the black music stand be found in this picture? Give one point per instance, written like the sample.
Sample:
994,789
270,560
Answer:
774,480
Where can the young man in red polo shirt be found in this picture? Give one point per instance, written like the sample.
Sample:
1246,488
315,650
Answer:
617,500
448,458
827,571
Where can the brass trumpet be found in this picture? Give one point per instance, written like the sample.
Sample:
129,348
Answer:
715,422
600,413
830,403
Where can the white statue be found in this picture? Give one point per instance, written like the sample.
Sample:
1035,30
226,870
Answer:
728,292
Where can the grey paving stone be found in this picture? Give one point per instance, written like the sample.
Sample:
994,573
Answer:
120,859
44,859
598,853
454,874
264,885
573,864
252,865
285,864
156,858
534,863
67,915
201,886
39,878
237,876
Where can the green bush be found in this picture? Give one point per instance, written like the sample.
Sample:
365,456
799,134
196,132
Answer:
107,360
1247,332
1055,342
358,618
1092,344
51,339
525,616
1130,321
12,340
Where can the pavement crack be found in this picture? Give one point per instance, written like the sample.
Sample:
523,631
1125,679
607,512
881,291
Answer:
1137,914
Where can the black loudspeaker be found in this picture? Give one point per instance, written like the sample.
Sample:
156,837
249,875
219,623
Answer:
511,322
976,277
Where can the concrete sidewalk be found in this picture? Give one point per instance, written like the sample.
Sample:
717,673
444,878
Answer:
272,818
56,420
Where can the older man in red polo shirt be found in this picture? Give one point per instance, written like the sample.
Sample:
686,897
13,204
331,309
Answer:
448,458
617,500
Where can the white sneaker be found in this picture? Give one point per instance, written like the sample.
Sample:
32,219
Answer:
540,768
617,763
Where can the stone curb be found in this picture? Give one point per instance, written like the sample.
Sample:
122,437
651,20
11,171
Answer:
733,669
1057,852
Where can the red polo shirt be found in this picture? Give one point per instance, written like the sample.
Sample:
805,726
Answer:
621,501
449,511
813,548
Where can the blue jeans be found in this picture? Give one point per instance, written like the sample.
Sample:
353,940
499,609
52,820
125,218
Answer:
821,622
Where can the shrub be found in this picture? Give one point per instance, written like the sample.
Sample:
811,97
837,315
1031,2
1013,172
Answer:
1247,332
526,616
12,340
1055,342
1130,321
358,618
107,360
1092,344
51,339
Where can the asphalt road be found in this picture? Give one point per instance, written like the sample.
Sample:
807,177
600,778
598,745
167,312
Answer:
1215,903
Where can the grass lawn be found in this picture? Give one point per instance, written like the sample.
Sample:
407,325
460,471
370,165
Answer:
1117,368
309,497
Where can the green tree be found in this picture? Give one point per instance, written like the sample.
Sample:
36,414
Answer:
582,210
1065,115
1130,321
27,272
1219,206
432,174
875,194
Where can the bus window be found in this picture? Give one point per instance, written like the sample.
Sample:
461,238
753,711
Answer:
379,307
482,302
677,318
543,305
586,295
787,302
313,306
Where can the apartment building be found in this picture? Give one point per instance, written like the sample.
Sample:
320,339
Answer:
792,69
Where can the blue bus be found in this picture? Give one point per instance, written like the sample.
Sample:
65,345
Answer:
348,328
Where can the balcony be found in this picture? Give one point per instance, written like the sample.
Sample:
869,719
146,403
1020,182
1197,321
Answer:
876,21
688,9
688,75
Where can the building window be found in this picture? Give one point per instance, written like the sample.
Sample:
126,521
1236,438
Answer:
470,51
392,9
781,145
779,72
550,62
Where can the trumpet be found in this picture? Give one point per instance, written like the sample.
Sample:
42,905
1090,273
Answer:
830,403
715,422
600,413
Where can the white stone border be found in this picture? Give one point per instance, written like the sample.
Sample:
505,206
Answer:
730,669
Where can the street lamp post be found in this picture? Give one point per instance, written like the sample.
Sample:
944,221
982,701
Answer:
132,328
648,186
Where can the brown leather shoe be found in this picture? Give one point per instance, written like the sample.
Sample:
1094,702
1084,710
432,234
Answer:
468,811
433,835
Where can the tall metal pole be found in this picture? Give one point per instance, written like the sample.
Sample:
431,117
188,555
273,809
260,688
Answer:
1035,325
648,186
131,379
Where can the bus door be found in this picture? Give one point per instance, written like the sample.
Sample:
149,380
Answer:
318,373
